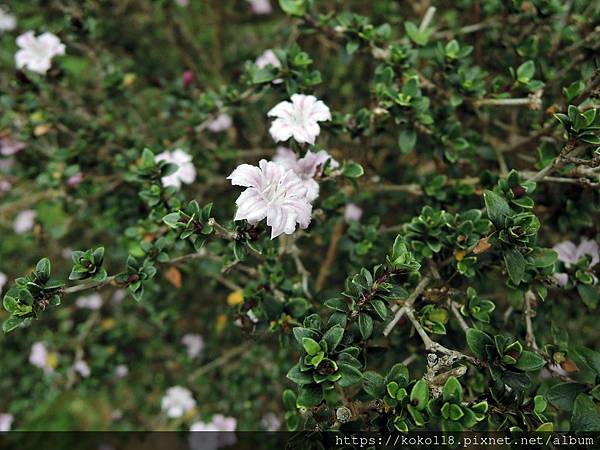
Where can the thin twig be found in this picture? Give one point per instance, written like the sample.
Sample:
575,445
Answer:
408,304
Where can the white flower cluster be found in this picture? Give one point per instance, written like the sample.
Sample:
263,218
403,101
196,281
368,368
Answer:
177,401
213,441
36,53
283,190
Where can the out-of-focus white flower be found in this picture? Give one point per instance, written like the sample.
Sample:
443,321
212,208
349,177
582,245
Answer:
36,53
298,118
268,57
3,279
273,192
119,296
82,368
6,421
185,173
352,212
307,167
271,422
24,221
92,301
177,401
5,186
182,3
121,371
10,146
212,441
8,22
220,123
260,6
570,254
39,357
194,344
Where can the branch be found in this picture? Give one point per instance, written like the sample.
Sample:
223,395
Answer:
408,304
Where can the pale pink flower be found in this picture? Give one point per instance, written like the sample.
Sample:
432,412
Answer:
213,441
194,344
220,123
74,180
185,173
82,368
570,254
36,53
273,192
307,168
24,221
260,6
177,402
298,118
39,357
8,22
6,421
268,57
5,186
352,212
10,146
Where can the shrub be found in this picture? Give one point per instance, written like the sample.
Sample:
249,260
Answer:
383,213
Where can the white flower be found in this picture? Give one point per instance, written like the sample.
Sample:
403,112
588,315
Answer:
307,167
298,119
36,53
8,22
177,401
121,371
570,254
268,57
213,441
185,173
260,6
24,221
352,212
182,3
119,296
92,301
10,146
3,279
82,368
220,123
194,344
6,421
271,422
273,192
39,357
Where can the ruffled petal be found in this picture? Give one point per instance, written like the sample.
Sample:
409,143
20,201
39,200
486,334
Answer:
247,176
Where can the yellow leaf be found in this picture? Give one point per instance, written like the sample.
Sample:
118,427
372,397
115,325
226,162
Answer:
41,130
173,276
221,322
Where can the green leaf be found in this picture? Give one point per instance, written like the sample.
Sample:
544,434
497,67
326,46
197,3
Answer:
10,304
515,265
589,294
418,37
299,377
529,361
562,395
11,323
353,170
365,325
350,375
452,391
374,384
309,396
419,395
289,400
293,7
337,304
586,416
333,336
407,140
42,269
172,219
477,341
301,332
526,71
380,308
497,208
311,346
